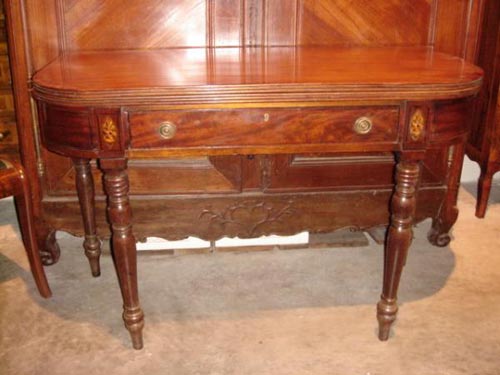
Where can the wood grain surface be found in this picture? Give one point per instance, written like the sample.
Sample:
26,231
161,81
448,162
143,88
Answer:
216,23
253,74
264,127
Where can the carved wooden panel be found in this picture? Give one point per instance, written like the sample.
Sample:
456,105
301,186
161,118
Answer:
247,215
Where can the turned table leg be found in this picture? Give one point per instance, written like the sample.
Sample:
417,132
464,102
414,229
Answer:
86,194
123,244
403,204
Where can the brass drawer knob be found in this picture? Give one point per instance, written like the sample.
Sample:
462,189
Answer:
4,134
167,130
363,125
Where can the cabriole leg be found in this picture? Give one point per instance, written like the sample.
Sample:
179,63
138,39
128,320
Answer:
123,244
403,204
86,197
439,234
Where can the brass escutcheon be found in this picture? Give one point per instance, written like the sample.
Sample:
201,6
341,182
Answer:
167,130
363,125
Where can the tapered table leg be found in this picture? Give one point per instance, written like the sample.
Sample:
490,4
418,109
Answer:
123,244
399,238
86,194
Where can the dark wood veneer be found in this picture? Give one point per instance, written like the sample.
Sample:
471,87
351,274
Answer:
262,127
68,128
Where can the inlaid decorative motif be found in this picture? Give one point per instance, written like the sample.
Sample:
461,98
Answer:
250,217
109,131
417,125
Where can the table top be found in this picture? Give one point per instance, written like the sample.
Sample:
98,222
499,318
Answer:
273,73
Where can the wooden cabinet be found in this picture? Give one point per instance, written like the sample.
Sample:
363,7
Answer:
8,131
243,118
484,141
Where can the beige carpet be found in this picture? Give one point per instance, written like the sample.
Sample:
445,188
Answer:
276,312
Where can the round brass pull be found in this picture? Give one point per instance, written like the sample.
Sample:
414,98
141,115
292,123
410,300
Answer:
167,130
4,134
363,125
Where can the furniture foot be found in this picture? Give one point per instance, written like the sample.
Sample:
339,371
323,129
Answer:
123,244
483,191
86,197
386,315
49,250
448,212
134,322
399,236
436,238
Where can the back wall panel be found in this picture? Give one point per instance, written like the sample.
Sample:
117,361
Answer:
129,24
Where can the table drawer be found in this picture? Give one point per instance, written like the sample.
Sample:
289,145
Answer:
263,127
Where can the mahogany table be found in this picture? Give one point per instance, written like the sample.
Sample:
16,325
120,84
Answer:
114,105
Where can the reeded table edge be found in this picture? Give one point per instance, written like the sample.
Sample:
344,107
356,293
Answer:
432,76
265,93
